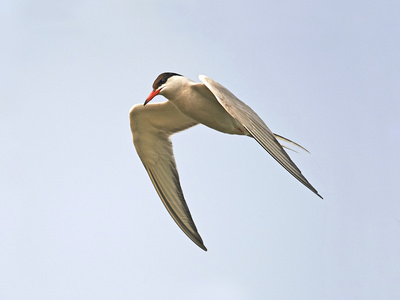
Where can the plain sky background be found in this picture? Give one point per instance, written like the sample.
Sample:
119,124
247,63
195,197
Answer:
79,217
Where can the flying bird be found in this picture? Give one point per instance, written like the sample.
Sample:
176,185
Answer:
190,103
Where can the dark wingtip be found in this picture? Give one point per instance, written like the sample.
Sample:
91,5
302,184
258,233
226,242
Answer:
203,247
199,242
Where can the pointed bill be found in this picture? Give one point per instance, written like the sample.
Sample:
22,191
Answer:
151,96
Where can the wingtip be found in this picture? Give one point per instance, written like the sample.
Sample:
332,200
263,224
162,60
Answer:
199,243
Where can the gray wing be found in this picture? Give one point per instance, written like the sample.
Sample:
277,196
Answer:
256,127
151,127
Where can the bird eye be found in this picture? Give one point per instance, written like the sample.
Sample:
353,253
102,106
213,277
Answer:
162,81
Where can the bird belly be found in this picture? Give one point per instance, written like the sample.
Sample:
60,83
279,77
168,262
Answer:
206,110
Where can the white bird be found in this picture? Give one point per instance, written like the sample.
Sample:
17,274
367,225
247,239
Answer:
190,103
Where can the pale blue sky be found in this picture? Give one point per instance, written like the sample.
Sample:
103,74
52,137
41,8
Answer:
79,217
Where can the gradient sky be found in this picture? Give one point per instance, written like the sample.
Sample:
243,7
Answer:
79,217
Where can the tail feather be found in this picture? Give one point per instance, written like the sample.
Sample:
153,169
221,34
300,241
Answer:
281,138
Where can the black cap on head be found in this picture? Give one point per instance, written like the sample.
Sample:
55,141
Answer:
162,78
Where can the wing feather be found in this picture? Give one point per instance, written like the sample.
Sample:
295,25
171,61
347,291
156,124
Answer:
256,127
151,128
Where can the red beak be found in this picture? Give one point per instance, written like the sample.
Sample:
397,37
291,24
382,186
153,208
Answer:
151,96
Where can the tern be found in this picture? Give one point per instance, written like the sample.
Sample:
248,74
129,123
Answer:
188,104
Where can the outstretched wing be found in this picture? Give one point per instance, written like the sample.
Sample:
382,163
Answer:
256,127
151,127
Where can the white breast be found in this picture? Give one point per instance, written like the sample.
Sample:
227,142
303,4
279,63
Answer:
196,101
